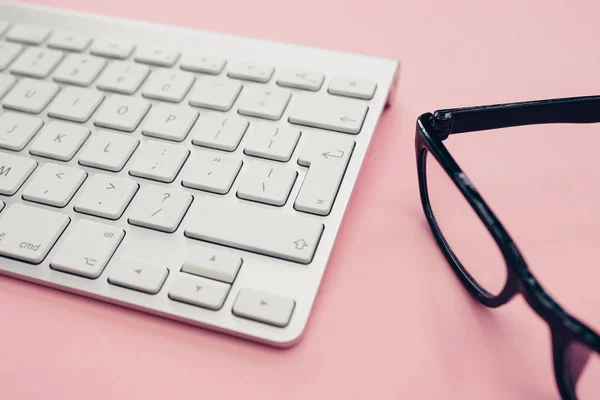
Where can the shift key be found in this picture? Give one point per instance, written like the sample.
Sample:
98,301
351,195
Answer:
254,228
28,233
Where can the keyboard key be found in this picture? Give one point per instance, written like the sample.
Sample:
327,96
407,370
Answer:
350,87
327,157
6,82
112,48
336,114
70,41
122,113
159,208
250,72
3,27
87,248
215,93
30,95
28,233
267,103
123,77
205,262
79,69
138,275
169,122
219,132
158,161
264,307
162,57
267,183
168,85
105,196
14,171
285,236
108,150
211,172
205,65
272,142
75,104
199,291
54,185
27,34
8,52
16,130
36,62
59,141
301,80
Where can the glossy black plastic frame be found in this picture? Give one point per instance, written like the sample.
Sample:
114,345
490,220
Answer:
431,130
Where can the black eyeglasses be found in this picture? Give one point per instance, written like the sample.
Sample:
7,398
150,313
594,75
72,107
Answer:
573,343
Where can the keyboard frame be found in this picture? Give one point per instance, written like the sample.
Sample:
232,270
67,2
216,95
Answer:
300,282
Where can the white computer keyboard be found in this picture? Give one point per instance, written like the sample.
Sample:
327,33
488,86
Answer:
197,176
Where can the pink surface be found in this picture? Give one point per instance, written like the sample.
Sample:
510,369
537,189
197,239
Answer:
391,320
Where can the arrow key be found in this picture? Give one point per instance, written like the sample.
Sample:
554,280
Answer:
138,275
264,307
199,291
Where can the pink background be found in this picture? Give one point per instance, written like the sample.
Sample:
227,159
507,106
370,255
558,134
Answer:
391,320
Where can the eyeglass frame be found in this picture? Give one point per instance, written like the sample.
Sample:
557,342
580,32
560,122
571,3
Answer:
431,131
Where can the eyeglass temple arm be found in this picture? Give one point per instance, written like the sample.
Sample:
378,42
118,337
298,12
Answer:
578,110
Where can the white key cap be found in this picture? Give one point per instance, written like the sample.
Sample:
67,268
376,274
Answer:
138,275
54,185
87,248
105,196
28,233
215,93
336,114
162,57
14,171
350,87
211,172
16,130
30,95
168,85
8,52
108,150
158,161
6,82
79,69
2,205
70,41
211,264
199,63
267,183
37,62
327,157
122,113
219,132
75,104
59,140
272,142
159,208
3,27
112,48
28,34
264,307
250,72
306,80
123,77
200,292
268,103
169,122
290,237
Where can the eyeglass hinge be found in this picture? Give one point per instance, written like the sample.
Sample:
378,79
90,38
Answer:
441,122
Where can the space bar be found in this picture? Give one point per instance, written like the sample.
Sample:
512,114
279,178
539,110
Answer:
254,228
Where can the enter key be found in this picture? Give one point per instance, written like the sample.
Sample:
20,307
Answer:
326,157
